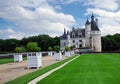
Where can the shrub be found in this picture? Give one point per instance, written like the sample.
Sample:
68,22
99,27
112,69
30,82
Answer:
57,48
67,48
50,48
19,49
71,47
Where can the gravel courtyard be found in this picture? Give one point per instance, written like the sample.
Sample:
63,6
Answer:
11,71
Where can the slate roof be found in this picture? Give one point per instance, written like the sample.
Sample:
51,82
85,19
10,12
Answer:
87,22
75,32
94,26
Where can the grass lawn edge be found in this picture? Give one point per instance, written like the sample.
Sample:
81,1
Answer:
9,60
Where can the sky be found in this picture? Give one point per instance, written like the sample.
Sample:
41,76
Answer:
24,18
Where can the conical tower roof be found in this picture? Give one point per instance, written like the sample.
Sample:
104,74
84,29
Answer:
87,22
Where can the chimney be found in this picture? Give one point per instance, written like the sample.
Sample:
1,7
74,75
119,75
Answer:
96,20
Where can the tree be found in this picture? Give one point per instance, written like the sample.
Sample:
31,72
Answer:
111,42
33,47
57,48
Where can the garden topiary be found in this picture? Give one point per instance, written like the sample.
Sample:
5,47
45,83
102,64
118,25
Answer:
19,49
33,47
67,48
57,48
50,48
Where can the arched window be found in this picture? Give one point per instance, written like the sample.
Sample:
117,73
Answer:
80,45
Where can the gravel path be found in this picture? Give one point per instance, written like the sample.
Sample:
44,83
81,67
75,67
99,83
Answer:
11,71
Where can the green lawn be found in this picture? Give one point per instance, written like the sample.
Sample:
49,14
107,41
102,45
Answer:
9,60
28,77
88,69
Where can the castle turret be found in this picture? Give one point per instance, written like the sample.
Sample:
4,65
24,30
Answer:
87,25
68,38
95,35
87,33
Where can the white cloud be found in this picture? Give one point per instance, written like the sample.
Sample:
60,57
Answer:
104,4
9,33
34,17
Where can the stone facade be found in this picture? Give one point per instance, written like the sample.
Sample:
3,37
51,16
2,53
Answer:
88,37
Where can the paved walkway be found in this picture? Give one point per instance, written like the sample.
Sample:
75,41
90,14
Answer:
49,72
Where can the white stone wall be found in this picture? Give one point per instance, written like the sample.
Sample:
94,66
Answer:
70,42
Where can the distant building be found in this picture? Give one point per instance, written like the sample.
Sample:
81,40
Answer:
89,37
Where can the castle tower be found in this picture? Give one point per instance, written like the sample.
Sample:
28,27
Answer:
87,33
95,35
64,31
68,38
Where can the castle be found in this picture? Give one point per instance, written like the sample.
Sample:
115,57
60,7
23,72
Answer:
89,37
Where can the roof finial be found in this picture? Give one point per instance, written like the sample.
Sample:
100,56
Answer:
64,31
92,17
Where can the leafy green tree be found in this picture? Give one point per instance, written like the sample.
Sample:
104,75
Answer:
33,47
57,48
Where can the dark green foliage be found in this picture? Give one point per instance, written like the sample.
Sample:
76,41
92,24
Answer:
43,41
111,42
57,48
